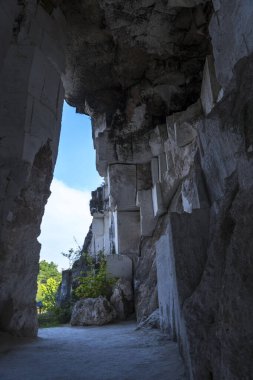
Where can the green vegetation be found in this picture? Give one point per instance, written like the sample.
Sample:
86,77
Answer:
49,279
92,284
49,291
95,283
48,319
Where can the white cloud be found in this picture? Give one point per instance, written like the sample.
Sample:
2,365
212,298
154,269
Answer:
67,216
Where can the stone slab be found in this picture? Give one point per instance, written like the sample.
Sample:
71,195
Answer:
181,255
98,226
147,220
119,266
122,186
127,232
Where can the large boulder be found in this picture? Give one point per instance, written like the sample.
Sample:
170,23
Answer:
122,298
92,311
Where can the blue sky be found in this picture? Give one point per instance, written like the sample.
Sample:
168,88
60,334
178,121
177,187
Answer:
67,216
76,157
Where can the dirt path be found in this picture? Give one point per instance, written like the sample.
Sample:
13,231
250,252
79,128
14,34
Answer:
112,352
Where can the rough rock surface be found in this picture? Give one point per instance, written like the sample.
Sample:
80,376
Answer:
92,311
152,322
220,307
87,241
122,299
31,99
145,283
64,291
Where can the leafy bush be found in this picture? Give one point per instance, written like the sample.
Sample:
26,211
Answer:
48,319
49,291
63,314
96,283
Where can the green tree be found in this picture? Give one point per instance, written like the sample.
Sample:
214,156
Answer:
49,279
48,270
48,292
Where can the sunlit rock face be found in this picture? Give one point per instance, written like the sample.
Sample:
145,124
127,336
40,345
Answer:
168,85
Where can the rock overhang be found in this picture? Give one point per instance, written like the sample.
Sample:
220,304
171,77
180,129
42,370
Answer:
138,52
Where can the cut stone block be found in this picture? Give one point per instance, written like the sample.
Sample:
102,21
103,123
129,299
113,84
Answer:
98,225
127,232
147,220
144,178
107,241
101,238
97,244
119,266
104,153
180,259
122,186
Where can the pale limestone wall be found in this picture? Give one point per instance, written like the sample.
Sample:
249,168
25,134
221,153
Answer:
198,159
119,266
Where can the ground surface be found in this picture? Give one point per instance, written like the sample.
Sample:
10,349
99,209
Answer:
112,352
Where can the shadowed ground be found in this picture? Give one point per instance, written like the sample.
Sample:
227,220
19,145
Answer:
112,352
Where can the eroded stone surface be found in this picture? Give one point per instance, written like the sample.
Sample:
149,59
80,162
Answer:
122,299
92,311
31,103
152,322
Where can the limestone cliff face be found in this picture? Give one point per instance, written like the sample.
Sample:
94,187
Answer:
172,131
168,85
